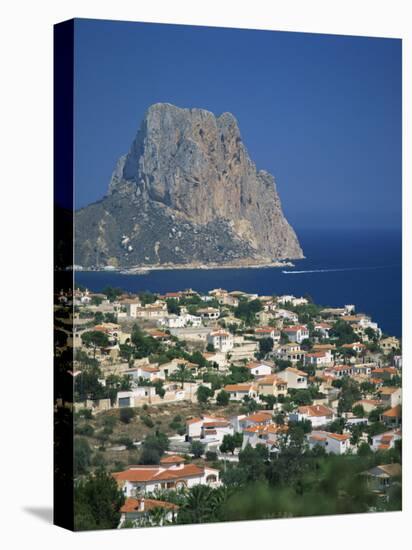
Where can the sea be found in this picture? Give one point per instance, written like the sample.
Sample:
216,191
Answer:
340,267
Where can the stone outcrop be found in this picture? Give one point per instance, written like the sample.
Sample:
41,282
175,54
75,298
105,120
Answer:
186,192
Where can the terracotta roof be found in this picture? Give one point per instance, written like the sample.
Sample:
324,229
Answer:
269,428
156,473
296,371
238,387
395,412
315,410
254,364
339,437
391,469
189,470
133,505
216,424
316,354
354,345
388,390
258,417
294,328
220,333
317,437
172,459
342,367
193,420
144,473
270,380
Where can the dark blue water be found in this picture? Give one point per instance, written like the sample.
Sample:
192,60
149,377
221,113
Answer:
360,268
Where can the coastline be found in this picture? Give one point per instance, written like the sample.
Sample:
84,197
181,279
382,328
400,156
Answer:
143,270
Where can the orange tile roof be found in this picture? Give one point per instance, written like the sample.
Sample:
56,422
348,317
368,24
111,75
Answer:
388,390
133,505
315,410
155,473
269,428
317,437
294,328
238,387
172,459
258,417
339,437
189,470
270,380
193,420
296,371
216,424
137,474
395,412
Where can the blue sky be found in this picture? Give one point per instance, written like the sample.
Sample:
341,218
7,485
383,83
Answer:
322,113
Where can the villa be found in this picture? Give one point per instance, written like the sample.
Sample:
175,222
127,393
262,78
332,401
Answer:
138,480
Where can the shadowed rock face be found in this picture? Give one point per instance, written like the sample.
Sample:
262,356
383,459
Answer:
187,192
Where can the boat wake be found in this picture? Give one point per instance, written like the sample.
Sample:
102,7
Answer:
334,270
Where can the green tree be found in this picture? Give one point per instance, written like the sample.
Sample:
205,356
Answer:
246,310
82,455
265,346
173,306
112,293
197,448
127,414
222,398
97,502
203,394
153,448
95,339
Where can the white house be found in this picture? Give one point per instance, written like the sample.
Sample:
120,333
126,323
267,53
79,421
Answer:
297,333
323,329
390,396
267,332
194,426
286,315
318,359
295,378
238,392
134,397
385,441
337,444
138,480
266,435
290,352
259,368
138,509
289,299
259,418
132,307
209,313
221,340
319,415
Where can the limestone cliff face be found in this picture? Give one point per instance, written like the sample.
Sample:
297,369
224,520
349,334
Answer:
186,192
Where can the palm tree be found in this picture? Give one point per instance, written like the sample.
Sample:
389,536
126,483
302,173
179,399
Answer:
198,507
157,517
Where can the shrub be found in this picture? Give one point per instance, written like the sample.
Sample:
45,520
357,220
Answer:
98,460
85,429
147,420
211,456
127,414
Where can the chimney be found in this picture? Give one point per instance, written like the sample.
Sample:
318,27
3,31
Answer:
141,505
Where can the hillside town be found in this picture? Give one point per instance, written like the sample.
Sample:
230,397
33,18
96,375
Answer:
187,398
